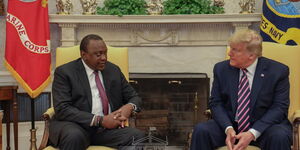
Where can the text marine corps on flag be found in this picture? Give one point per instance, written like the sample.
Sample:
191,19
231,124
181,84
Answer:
24,37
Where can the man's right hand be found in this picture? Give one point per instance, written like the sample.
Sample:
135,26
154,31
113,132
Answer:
230,139
113,120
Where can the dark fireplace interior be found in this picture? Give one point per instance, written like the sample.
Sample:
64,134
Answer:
172,103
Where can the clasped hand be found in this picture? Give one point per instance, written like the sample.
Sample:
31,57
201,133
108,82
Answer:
117,118
244,140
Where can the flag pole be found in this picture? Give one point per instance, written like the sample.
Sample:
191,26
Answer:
32,130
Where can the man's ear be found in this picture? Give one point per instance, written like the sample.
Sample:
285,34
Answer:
252,56
82,54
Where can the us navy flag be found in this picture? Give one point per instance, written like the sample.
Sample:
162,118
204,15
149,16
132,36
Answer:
281,21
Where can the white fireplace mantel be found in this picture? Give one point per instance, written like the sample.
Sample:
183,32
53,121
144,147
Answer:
156,30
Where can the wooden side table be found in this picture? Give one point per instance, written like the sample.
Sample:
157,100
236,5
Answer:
8,96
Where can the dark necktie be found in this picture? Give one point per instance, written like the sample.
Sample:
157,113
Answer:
243,109
102,93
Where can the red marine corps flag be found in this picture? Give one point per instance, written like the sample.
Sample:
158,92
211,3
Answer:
27,53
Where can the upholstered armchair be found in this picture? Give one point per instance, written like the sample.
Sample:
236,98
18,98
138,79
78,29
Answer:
289,55
118,56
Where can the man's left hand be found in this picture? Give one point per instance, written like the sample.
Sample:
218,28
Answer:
244,140
126,110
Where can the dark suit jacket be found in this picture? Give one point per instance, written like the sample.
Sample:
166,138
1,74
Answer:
269,94
72,97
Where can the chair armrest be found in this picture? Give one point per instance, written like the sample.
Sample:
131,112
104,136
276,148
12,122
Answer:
296,117
296,121
48,114
46,117
207,114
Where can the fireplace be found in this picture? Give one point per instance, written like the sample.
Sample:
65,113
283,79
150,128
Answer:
172,103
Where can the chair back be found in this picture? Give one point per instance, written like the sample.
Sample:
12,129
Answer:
116,55
290,56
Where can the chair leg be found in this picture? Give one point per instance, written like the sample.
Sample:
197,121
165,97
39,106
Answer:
44,141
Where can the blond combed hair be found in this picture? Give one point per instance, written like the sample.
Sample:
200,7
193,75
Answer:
249,37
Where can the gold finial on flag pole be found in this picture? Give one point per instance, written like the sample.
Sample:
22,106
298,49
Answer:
44,3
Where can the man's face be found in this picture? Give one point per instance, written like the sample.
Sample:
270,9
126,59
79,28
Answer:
96,55
240,57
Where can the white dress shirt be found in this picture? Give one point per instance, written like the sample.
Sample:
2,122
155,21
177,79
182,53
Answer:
96,99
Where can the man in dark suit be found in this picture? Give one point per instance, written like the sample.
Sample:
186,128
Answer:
92,101
249,100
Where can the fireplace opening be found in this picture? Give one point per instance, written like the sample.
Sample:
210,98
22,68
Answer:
171,102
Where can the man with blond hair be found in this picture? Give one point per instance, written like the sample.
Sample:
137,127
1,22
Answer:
249,100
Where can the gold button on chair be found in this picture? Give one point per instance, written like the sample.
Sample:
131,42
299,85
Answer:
118,56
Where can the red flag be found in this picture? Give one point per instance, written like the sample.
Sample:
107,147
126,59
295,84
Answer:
27,53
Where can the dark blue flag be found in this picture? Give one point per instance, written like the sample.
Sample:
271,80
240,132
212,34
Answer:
281,21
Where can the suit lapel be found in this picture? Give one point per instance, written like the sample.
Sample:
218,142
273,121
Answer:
257,81
84,82
233,82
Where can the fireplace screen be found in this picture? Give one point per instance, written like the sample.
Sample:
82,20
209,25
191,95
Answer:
172,104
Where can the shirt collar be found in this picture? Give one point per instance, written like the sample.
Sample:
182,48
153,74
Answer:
252,67
88,70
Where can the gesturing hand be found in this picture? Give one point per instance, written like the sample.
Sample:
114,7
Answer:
230,139
244,140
